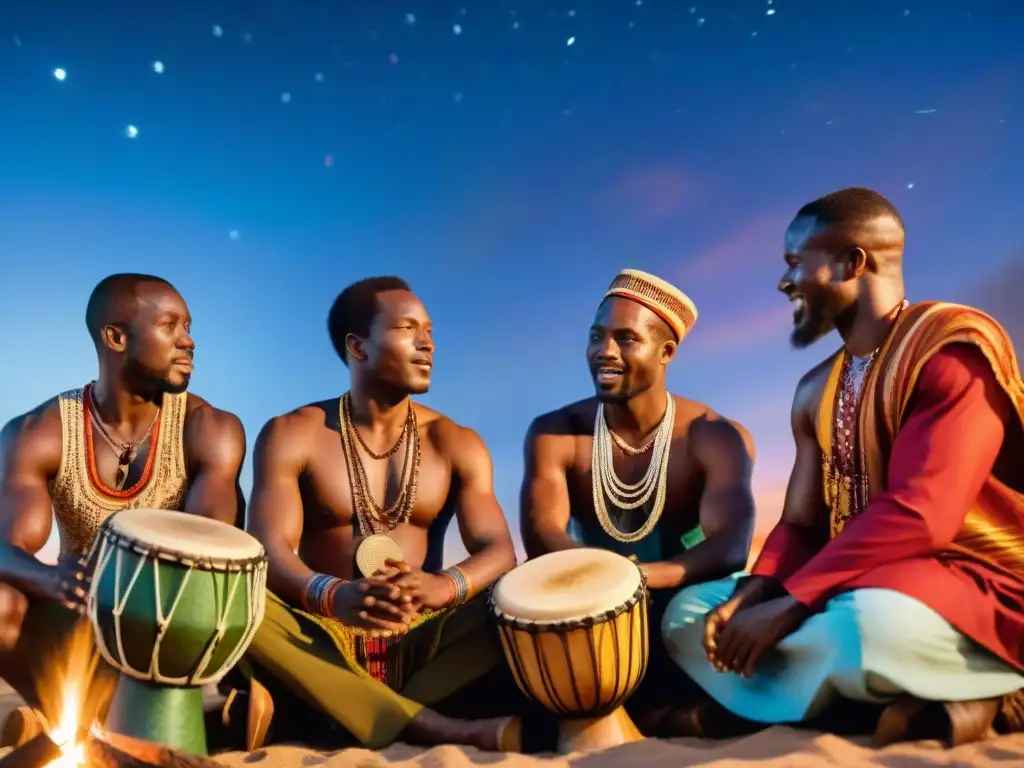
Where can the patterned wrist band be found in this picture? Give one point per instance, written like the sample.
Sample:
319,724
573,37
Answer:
460,583
318,593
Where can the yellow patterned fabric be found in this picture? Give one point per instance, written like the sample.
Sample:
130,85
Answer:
991,533
387,659
80,508
845,490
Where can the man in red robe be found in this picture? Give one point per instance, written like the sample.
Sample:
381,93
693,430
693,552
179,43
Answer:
896,573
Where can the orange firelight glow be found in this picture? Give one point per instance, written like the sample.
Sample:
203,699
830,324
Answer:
66,733
72,696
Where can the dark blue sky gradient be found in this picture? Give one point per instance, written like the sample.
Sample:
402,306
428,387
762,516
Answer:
506,174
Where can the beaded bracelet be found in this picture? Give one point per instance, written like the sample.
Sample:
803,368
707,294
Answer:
318,593
460,584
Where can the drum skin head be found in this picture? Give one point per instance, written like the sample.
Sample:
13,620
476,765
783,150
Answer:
191,536
567,585
175,598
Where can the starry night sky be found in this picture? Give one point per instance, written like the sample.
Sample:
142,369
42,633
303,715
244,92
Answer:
507,159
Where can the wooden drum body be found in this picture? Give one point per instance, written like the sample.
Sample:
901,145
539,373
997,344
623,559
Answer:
175,601
574,629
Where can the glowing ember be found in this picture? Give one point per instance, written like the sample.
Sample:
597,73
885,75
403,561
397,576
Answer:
65,734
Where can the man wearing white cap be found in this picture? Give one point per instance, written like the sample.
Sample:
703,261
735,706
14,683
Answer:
648,474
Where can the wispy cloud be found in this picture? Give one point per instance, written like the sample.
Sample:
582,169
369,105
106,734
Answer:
1000,295
653,194
714,336
755,242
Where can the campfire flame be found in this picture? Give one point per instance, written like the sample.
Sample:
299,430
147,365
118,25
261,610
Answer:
71,697
66,733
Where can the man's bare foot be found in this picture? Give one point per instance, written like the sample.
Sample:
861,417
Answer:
1011,713
954,723
501,734
905,719
970,721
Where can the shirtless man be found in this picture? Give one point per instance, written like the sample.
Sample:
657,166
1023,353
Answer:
328,475
132,439
894,576
699,519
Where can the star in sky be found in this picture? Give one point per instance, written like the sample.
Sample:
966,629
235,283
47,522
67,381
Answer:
506,159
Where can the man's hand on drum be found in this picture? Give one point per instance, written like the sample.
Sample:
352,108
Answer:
419,588
70,586
374,604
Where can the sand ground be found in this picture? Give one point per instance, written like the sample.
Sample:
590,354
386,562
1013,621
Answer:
773,748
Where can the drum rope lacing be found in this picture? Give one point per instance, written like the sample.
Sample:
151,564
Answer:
629,496
253,577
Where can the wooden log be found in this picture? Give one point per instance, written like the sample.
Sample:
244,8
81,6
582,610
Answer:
111,750
21,725
34,753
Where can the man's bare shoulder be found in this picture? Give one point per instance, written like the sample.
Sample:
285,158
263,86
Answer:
37,434
818,375
451,439
701,422
208,421
293,434
428,417
567,422
812,384
688,411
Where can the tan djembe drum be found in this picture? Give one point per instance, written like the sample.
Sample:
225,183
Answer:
573,626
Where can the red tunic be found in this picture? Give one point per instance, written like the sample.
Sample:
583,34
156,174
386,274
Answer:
941,459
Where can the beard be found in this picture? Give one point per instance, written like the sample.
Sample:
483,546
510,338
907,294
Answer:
621,391
170,387
814,321
613,398
155,384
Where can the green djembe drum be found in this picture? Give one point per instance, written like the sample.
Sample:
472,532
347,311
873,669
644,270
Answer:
175,601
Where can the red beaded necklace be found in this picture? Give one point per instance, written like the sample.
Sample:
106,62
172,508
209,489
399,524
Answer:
90,454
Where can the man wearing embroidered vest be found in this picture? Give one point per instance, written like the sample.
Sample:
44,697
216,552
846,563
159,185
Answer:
896,574
365,650
131,439
642,472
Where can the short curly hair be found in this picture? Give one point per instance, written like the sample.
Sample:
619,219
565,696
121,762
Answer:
849,207
356,308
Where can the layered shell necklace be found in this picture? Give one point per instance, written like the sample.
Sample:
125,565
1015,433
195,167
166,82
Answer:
625,497
371,515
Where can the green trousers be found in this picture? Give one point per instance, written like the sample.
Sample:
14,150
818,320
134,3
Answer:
318,662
